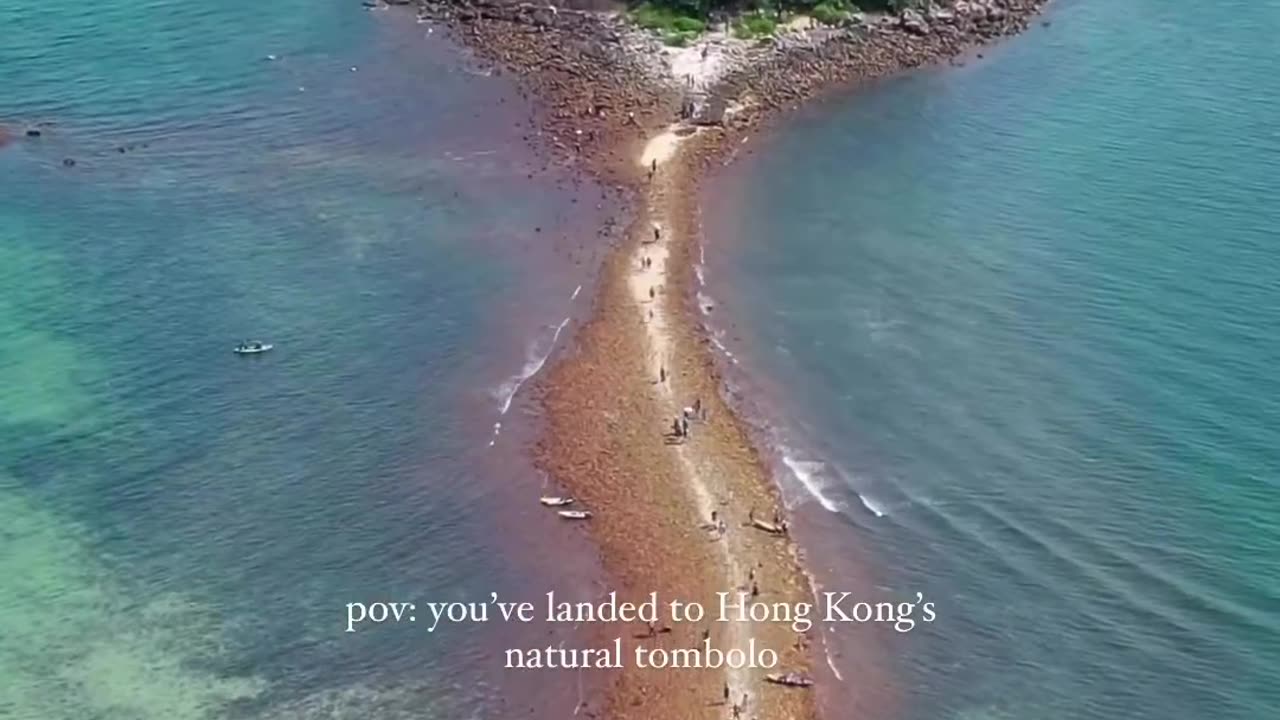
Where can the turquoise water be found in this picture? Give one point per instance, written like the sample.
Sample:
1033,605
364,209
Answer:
1020,318
180,529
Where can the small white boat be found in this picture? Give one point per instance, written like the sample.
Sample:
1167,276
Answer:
574,514
790,679
768,527
555,501
253,348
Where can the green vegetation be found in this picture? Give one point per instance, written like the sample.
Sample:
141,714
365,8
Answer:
754,26
677,27
681,21
829,13
660,14
666,18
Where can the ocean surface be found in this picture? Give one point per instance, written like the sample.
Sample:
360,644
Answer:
1014,329
181,528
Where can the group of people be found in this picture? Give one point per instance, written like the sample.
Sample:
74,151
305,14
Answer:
737,708
680,425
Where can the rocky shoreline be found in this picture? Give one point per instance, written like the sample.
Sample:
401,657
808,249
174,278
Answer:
608,92
605,85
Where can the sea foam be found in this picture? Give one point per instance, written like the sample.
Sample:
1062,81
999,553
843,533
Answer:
535,357
809,474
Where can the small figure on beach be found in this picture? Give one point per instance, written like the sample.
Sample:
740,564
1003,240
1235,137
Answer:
675,427
653,628
684,426
755,590
662,374
726,692
714,516
653,167
657,232
697,406
650,292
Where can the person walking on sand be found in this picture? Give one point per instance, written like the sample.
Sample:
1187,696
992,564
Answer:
653,167
662,374
657,232
726,693
755,590
650,292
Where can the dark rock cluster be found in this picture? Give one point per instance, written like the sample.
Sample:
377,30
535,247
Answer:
595,98
600,94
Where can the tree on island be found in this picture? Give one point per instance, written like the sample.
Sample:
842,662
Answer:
681,21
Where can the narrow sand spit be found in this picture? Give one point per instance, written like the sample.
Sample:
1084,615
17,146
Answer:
660,149
646,284
707,477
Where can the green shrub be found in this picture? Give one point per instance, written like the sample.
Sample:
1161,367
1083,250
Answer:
759,24
665,19
828,13
689,25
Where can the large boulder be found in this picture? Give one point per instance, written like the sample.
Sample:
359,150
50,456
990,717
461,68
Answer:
913,22
711,111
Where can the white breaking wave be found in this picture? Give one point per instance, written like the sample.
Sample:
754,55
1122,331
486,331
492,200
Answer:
875,507
715,340
536,357
809,474
705,303
831,663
